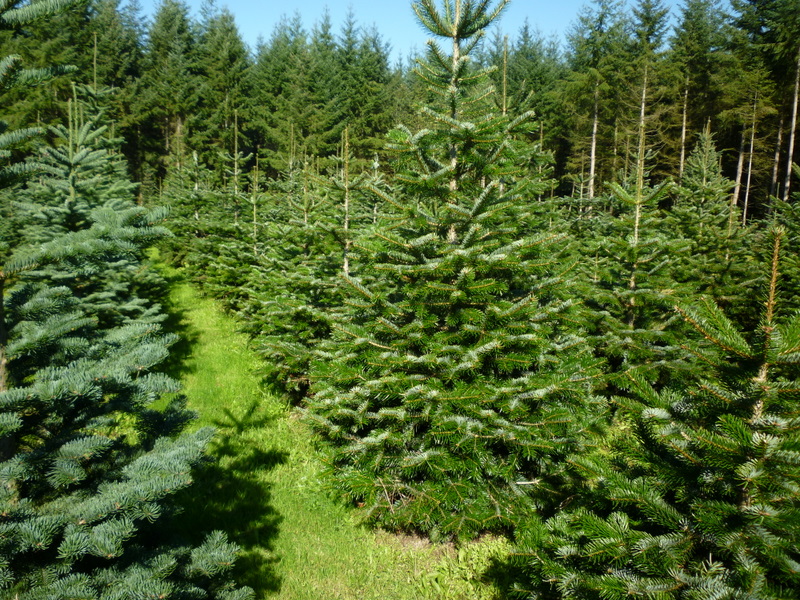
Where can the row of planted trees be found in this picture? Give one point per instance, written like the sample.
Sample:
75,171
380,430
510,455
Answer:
609,379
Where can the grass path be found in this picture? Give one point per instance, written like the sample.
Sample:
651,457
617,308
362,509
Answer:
263,488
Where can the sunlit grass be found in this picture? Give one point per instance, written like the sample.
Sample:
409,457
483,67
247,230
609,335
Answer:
263,487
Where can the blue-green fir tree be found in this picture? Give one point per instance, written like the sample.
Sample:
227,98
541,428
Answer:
79,172
87,466
455,385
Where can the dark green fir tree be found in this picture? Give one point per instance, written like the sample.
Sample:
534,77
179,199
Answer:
720,261
702,501
630,289
787,215
305,245
455,385
292,282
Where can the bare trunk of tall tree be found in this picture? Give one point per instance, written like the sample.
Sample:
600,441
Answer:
776,160
236,165
178,142
640,157
541,145
746,202
583,181
639,196
593,149
737,188
787,182
254,192
684,120
167,133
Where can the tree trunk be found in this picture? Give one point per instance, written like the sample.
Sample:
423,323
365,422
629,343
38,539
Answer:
640,156
346,177
750,161
541,145
454,85
773,188
178,142
683,129
236,152
255,208
639,196
593,149
583,181
738,181
787,182
451,234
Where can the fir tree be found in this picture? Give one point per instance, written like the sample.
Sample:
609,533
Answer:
86,465
167,94
787,216
79,173
454,386
630,285
225,65
702,502
291,288
282,104
719,261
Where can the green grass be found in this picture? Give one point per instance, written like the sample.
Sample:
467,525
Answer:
263,487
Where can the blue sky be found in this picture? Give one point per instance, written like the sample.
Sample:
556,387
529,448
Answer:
394,19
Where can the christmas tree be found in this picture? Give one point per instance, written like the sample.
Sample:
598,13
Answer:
87,466
455,384
703,500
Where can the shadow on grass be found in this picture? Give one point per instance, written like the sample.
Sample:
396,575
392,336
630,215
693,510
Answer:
230,494
178,364
505,576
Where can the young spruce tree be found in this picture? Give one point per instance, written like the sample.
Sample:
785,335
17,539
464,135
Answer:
455,385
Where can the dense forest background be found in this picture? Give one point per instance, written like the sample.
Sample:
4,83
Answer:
190,92
543,292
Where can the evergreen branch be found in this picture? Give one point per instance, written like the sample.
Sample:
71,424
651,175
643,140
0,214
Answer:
34,10
716,327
